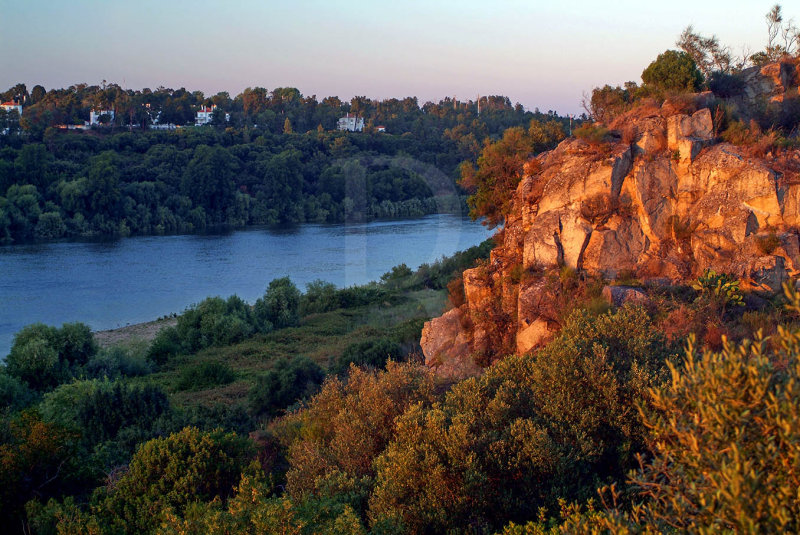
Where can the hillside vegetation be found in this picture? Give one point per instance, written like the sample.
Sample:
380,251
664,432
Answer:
643,382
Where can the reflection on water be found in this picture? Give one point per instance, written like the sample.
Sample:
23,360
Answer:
109,284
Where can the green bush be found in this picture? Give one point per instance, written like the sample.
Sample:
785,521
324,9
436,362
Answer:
372,353
726,85
320,296
397,277
768,243
117,361
44,356
726,434
204,375
99,410
165,345
336,438
215,322
285,384
718,290
673,71
173,472
14,393
591,133
279,307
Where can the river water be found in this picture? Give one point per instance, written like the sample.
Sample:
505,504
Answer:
111,284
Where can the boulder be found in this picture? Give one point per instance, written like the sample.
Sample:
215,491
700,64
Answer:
770,272
446,347
620,295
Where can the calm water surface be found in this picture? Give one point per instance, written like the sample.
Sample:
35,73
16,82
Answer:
115,283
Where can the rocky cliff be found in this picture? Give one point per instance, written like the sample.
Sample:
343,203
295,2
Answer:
662,199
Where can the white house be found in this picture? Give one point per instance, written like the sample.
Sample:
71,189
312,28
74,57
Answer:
94,116
205,114
351,123
12,106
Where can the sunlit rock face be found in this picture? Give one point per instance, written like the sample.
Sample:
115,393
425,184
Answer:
663,206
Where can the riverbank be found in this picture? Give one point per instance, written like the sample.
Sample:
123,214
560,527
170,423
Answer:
109,285
138,332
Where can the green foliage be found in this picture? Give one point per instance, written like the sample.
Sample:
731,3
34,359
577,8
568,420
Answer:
213,322
725,85
285,384
500,169
204,375
673,71
173,472
14,393
44,356
166,344
533,429
111,417
718,290
119,361
320,296
373,353
252,510
334,441
768,243
397,276
37,459
591,133
725,432
279,307
245,171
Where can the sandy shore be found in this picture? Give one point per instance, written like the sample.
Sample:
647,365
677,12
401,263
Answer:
138,331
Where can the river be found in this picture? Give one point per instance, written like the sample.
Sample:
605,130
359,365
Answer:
110,284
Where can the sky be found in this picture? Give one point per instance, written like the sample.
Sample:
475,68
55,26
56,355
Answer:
542,54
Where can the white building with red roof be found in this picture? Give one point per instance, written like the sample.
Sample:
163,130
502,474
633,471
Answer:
12,106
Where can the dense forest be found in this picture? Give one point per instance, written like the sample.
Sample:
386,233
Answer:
278,159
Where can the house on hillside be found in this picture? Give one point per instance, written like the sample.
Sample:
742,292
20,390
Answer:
380,129
12,106
351,123
206,114
95,115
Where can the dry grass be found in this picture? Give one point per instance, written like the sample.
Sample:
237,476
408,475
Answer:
684,103
643,109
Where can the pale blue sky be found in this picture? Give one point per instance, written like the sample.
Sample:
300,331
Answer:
541,54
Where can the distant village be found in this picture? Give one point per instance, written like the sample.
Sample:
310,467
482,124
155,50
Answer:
99,118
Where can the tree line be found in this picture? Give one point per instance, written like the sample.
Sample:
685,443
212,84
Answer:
278,161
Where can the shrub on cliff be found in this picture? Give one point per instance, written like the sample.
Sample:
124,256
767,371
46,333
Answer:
500,169
673,71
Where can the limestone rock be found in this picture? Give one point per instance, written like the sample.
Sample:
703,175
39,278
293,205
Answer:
769,271
671,203
620,295
446,348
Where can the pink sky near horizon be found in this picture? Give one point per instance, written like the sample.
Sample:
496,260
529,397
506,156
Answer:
537,53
